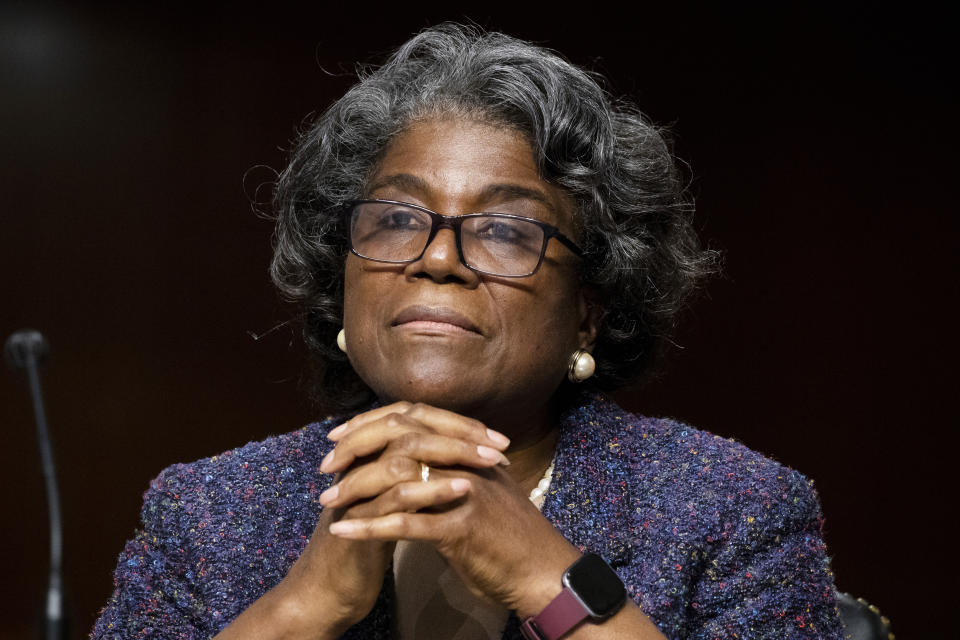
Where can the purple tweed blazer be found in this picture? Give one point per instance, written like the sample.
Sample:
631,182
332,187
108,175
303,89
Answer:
711,539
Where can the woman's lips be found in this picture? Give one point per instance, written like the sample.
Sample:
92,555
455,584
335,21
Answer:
434,319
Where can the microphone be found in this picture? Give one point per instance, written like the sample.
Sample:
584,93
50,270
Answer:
25,350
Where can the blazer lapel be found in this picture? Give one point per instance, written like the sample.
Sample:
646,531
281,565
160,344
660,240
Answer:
588,496
588,499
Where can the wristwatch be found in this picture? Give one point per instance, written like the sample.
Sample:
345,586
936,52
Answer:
591,589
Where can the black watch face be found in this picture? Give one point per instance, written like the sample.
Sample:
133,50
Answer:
596,585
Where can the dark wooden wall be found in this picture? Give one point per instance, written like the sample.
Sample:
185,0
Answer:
822,147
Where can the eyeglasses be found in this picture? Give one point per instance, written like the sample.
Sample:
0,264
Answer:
498,244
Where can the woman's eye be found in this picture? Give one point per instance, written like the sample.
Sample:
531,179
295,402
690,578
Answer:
501,231
401,220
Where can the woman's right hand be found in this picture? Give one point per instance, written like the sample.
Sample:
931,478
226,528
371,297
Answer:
335,582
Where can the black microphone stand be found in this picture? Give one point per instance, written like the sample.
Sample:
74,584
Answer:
25,350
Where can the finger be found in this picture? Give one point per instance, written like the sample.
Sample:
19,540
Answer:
393,526
455,425
371,480
377,477
408,437
439,420
443,451
365,418
413,496
375,435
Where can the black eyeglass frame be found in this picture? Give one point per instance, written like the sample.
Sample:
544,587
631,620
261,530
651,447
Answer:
454,223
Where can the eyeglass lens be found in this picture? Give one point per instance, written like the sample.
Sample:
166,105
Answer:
395,233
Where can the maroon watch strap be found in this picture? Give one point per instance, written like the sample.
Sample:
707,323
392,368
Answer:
560,616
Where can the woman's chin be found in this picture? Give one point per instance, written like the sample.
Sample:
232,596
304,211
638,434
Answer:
452,392
436,374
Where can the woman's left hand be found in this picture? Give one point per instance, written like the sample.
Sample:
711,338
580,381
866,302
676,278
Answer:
494,537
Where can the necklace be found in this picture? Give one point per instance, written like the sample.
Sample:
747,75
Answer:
544,483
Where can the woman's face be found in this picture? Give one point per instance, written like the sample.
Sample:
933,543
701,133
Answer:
402,321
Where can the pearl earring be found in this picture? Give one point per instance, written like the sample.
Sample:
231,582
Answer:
582,365
342,340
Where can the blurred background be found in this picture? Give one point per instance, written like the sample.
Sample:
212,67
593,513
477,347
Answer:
822,146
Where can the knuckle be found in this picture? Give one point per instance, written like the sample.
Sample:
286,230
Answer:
475,428
416,409
401,493
408,442
468,449
398,467
405,494
394,420
399,522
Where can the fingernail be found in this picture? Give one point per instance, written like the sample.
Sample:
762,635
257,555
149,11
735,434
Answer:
330,495
342,528
488,453
336,432
327,461
460,485
504,460
498,438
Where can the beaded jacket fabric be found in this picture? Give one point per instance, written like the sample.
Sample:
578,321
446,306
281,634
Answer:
711,539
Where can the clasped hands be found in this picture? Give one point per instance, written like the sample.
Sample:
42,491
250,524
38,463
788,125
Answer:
471,510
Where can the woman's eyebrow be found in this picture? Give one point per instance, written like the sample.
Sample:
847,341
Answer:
500,191
404,181
515,192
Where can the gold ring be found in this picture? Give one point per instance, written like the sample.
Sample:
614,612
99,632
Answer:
424,472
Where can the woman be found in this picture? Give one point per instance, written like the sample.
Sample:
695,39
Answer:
465,228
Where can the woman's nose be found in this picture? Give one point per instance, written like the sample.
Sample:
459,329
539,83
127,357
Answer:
441,261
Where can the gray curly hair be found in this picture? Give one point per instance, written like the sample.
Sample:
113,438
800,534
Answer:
643,259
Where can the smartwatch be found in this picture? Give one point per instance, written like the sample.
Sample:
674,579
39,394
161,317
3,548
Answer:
591,589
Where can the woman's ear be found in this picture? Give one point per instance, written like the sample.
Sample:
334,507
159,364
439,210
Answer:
590,313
